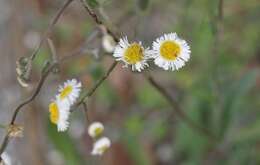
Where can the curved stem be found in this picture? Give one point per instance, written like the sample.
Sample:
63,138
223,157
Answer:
178,110
97,84
50,27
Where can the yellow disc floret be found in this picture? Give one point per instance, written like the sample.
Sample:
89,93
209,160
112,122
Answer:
134,53
102,149
66,91
170,50
98,131
54,112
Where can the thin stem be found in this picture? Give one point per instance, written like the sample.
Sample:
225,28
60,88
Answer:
45,71
98,83
97,20
4,145
85,109
27,101
53,50
176,107
50,27
220,10
36,92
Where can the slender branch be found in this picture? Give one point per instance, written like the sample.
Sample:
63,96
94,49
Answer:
50,27
97,20
3,145
27,101
53,50
36,92
85,109
220,10
172,102
98,83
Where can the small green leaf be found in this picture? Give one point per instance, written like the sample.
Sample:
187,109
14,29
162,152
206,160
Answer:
65,145
143,4
135,148
92,3
233,97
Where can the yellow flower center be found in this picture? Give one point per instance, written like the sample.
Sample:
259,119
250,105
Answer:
102,149
170,50
134,53
66,91
54,112
98,131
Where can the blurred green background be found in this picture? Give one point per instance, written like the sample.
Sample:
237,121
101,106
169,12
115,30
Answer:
219,88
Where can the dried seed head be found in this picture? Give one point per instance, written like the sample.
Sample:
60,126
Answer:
23,69
15,130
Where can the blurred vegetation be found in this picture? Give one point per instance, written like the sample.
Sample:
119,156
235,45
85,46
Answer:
218,88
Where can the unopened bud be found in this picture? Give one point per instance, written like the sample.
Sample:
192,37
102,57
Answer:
108,43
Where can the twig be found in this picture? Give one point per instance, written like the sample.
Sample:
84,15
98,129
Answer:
85,109
178,109
50,27
98,83
97,20
53,50
36,92
27,101
220,10
4,144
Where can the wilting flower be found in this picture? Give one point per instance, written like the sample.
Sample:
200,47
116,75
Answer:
95,129
100,146
133,54
59,114
70,91
170,52
108,43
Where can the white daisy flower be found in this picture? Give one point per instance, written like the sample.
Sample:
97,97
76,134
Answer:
170,52
59,114
133,54
70,91
95,129
100,146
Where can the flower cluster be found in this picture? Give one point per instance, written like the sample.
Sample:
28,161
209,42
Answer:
95,130
168,52
60,107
